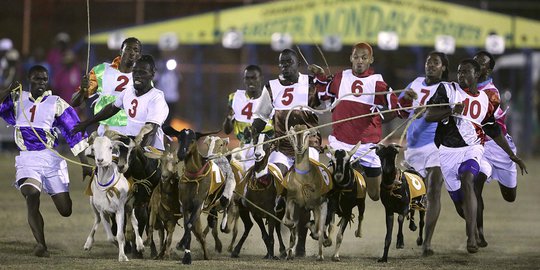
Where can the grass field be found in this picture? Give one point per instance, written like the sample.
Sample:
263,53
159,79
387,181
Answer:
512,230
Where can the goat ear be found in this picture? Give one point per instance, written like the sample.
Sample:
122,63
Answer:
92,137
377,147
171,131
397,146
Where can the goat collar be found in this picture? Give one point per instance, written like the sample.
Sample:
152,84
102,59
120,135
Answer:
302,172
108,183
192,175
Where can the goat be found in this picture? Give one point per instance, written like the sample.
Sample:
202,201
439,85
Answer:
110,193
349,191
165,204
395,194
307,187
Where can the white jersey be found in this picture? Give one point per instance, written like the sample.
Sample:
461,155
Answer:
243,106
424,92
115,82
285,97
351,84
150,107
468,125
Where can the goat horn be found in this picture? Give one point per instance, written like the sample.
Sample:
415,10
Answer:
171,131
200,134
355,148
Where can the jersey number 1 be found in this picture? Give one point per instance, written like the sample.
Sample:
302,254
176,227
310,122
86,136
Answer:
33,113
248,110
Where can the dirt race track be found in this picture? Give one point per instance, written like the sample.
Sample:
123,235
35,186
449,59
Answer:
511,230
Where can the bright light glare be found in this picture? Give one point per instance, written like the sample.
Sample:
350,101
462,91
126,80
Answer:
171,64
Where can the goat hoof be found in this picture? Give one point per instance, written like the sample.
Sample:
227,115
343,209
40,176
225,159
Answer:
400,245
327,242
482,243
428,252
358,233
419,241
336,259
472,249
187,258
412,227
382,260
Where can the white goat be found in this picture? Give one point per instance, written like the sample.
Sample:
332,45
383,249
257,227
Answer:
110,192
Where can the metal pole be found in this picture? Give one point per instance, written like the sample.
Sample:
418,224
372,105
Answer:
139,12
27,13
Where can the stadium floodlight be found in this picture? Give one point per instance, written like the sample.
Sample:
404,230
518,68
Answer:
495,44
388,40
332,43
168,41
445,44
171,64
114,42
281,41
232,39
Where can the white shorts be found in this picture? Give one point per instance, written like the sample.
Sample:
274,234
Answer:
451,159
278,157
370,159
423,157
498,165
44,166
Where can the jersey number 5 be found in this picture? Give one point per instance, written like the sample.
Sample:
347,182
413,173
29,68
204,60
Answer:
248,110
133,111
124,80
287,96
471,108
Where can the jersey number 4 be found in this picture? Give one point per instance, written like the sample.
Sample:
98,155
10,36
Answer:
248,110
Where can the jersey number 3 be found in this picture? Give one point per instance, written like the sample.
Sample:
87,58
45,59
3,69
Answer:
248,110
133,111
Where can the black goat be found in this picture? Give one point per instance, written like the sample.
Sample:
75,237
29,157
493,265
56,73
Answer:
395,196
346,194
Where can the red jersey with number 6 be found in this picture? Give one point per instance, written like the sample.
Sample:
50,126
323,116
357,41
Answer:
366,129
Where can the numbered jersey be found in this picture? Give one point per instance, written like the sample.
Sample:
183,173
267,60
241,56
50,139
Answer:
111,83
493,93
289,96
243,106
150,107
243,112
466,128
420,132
367,129
44,117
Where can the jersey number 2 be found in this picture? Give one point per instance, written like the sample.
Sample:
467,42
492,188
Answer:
124,80
133,111
248,110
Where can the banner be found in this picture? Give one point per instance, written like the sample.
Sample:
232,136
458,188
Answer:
189,30
527,34
416,22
